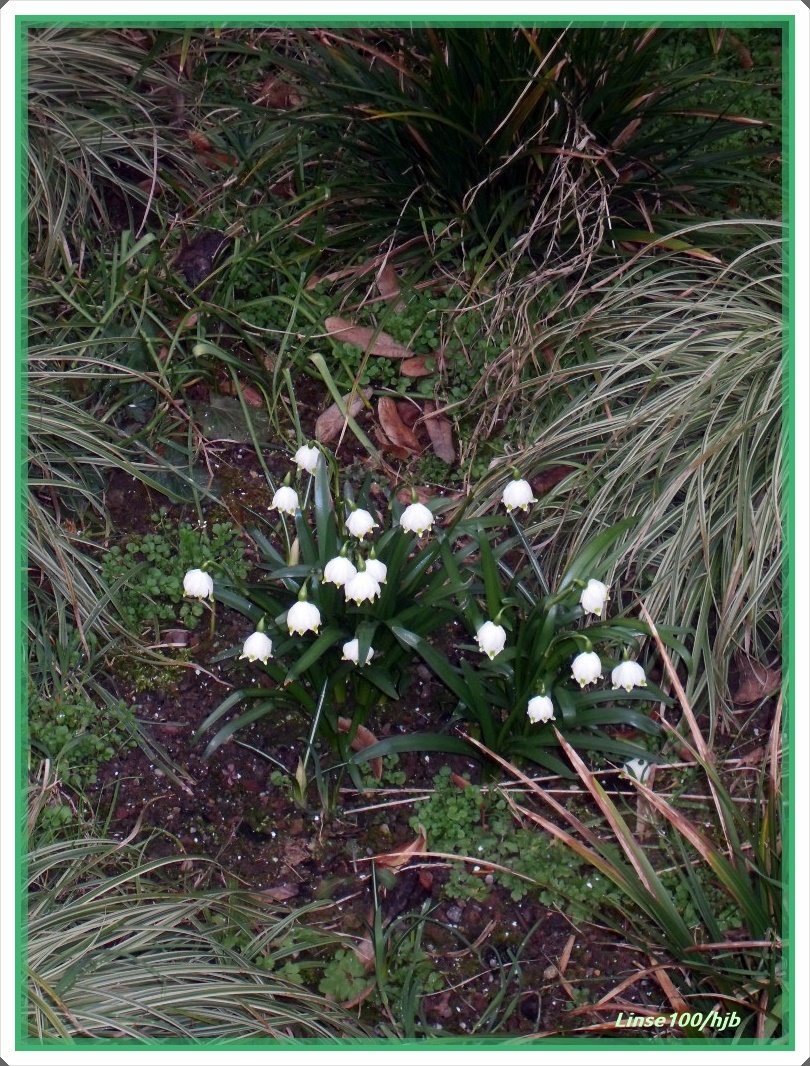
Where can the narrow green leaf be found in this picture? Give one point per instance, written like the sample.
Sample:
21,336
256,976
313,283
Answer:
417,742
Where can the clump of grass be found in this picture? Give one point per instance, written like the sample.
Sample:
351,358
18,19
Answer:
127,949
590,129
103,140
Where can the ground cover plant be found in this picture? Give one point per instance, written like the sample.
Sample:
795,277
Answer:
405,567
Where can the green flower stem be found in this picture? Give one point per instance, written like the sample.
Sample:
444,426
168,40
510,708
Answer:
535,565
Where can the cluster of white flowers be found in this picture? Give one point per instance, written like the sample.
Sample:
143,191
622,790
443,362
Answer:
359,584
363,583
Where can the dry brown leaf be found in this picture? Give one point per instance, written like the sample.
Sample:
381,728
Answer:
280,892
388,286
386,446
285,189
545,481
350,1003
746,62
459,781
422,495
409,412
276,93
394,428
365,952
421,366
212,159
186,321
361,740
199,141
676,1000
626,133
396,859
296,851
330,424
566,955
371,340
756,681
251,396
753,758
440,432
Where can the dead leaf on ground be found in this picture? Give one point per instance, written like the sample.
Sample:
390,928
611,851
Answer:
566,955
330,424
421,366
212,159
409,411
394,860
371,340
746,61
279,892
186,321
361,740
403,454
394,428
756,681
251,396
284,189
277,93
388,286
547,479
296,851
440,432
199,141
364,951
423,495
753,758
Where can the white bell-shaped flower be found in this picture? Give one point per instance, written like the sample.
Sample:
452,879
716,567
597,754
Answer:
285,500
257,646
518,494
359,523
628,675
377,569
586,668
351,652
199,584
361,587
339,570
303,617
491,639
416,518
541,709
306,458
594,597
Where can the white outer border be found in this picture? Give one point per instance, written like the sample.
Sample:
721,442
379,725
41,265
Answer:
801,465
